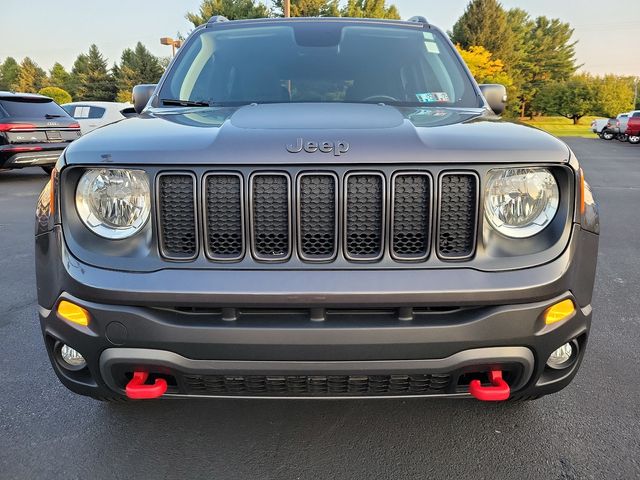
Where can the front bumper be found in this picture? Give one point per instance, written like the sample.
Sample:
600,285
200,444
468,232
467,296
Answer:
27,158
175,323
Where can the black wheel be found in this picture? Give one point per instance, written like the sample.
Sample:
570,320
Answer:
48,169
607,135
622,137
634,139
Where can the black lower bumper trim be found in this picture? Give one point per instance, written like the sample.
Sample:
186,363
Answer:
313,379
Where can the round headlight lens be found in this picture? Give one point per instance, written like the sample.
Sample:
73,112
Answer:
521,202
113,203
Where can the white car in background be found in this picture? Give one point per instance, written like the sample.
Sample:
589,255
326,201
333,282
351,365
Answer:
91,115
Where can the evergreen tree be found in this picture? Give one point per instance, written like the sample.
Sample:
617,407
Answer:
31,77
370,9
59,77
136,66
485,23
232,9
9,72
90,78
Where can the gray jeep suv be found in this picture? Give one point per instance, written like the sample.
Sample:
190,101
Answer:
316,208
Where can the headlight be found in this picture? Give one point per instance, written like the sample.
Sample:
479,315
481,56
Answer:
113,203
521,202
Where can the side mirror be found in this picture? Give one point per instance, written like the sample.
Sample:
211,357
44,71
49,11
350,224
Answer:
496,96
141,95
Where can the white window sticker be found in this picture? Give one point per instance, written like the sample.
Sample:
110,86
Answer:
432,97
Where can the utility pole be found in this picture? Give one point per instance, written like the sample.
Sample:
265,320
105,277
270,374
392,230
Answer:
287,8
635,95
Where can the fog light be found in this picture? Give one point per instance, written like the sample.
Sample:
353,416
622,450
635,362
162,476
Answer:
562,357
73,359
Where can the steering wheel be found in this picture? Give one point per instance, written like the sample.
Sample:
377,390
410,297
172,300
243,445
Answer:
380,98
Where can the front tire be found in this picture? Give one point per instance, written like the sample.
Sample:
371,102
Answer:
607,136
634,139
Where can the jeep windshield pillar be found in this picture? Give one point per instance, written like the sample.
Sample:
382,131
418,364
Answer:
316,208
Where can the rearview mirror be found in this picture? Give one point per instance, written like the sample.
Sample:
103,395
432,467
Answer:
141,95
496,96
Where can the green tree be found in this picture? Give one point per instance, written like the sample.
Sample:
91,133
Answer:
59,77
232,9
486,23
550,57
58,95
31,77
370,9
9,72
614,95
309,8
136,66
573,98
91,79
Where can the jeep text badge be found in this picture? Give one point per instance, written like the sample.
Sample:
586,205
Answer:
337,148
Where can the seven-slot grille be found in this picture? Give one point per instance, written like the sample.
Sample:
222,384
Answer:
319,214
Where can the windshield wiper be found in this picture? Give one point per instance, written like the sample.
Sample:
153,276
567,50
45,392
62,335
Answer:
184,103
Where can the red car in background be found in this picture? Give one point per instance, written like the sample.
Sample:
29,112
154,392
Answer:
633,130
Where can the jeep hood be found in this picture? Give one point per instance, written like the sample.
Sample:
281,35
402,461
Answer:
260,134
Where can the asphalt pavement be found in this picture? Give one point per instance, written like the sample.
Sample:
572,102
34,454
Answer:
589,430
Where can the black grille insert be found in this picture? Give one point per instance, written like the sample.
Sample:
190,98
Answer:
458,215
224,216
316,385
271,216
364,216
177,216
411,215
317,225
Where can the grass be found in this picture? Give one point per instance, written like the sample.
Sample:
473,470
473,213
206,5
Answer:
563,127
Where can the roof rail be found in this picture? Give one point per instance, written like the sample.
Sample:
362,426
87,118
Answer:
419,19
217,19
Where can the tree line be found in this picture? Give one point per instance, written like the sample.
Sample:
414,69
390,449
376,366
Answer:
534,58
90,78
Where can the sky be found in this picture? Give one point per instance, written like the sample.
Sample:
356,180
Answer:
50,31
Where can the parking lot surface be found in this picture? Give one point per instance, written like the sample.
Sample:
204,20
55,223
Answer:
589,430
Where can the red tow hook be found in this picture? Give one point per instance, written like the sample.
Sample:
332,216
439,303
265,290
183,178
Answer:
498,391
137,390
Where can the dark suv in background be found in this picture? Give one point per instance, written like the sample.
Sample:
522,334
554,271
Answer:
34,131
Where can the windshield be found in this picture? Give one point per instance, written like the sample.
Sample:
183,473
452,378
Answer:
319,62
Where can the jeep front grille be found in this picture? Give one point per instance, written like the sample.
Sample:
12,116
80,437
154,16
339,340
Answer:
318,216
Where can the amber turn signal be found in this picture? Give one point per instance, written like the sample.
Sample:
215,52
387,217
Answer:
73,313
558,312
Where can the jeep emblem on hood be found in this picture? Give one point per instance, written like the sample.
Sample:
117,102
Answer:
337,148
